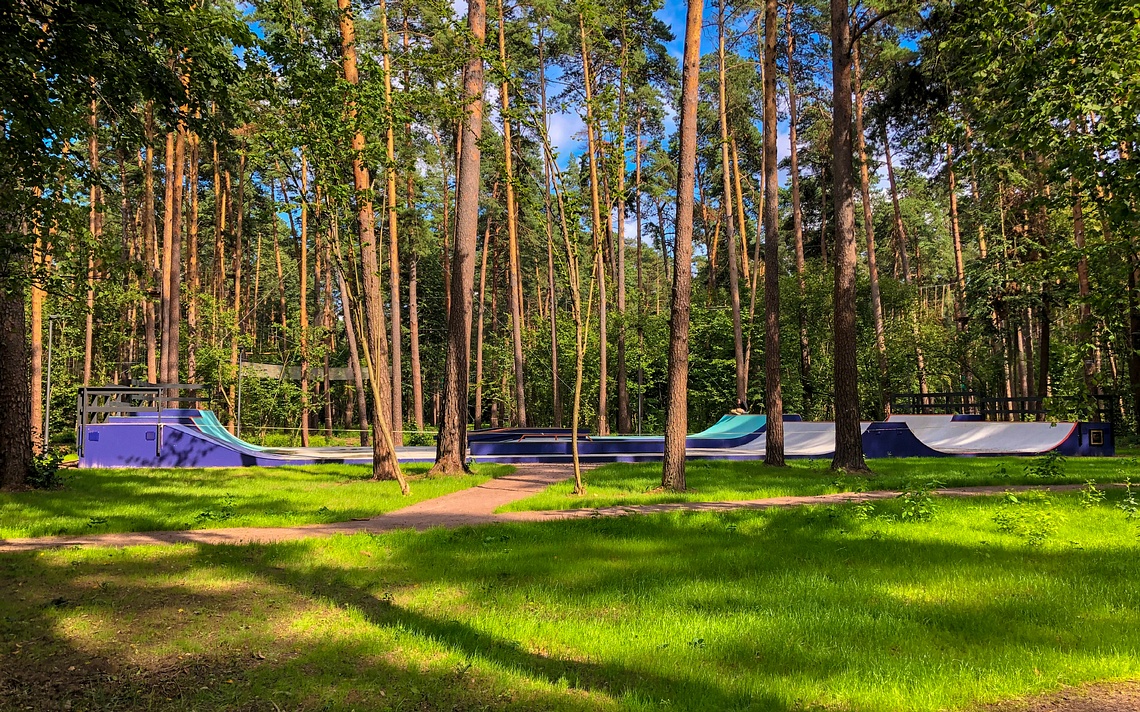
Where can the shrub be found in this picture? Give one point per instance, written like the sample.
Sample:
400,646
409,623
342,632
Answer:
1030,517
44,472
1049,467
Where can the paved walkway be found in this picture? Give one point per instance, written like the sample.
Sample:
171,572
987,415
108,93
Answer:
472,506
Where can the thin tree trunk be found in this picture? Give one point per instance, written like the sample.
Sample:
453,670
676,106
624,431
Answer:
38,436
959,265
798,219
95,223
640,280
280,271
384,462
453,428
303,280
773,395
848,435
1083,290
823,222
238,257
350,335
397,385
513,266
479,327
414,330
677,389
554,382
900,230
730,226
597,228
625,425
150,258
192,266
900,236
869,229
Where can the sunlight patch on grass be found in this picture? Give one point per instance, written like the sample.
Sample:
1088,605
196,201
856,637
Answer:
817,607
716,481
103,501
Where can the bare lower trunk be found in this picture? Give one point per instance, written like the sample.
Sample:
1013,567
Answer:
150,256
677,389
192,265
353,357
479,328
15,400
303,279
848,435
453,427
773,395
39,437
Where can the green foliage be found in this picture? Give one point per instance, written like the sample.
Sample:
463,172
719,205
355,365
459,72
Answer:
1029,516
1050,466
918,504
1091,496
45,470
1130,505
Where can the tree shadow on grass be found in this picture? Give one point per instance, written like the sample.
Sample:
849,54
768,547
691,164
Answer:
766,611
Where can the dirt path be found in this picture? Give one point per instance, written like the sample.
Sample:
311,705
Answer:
472,506
1102,697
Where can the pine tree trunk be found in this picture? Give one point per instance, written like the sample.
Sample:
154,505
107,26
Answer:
192,266
150,256
384,462
513,266
95,225
640,280
353,352
15,396
414,328
303,281
397,385
798,219
551,294
453,429
479,327
598,228
677,389
959,265
869,229
773,395
848,434
36,406
625,425
238,257
730,226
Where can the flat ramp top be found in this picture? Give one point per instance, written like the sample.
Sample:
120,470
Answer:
920,420
979,438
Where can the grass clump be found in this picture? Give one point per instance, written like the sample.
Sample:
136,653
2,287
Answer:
811,608
98,501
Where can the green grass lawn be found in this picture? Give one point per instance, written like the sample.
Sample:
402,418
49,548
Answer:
130,500
824,608
712,481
